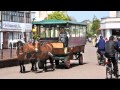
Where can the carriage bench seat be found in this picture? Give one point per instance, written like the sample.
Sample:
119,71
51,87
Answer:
58,45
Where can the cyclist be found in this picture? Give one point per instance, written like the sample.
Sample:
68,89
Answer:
110,50
101,47
118,43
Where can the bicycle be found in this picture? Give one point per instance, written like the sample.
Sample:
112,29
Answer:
101,58
109,69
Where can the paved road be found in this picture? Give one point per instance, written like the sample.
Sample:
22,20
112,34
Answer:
90,70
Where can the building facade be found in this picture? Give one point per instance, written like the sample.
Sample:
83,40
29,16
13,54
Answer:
110,25
15,25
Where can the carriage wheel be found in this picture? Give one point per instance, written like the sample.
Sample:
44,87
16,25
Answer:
56,62
67,64
81,59
104,61
53,67
117,75
98,59
40,65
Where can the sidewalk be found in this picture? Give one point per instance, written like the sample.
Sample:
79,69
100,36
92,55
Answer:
6,54
8,60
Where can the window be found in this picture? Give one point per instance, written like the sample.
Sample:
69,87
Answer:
27,16
52,32
5,15
72,29
56,32
47,33
42,32
81,31
20,17
117,13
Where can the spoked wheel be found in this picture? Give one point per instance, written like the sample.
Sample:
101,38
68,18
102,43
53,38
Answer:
104,59
40,65
56,62
117,75
81,59
108,73
98,59
67,64
99,63
53,67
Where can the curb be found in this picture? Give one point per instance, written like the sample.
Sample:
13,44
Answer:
10,63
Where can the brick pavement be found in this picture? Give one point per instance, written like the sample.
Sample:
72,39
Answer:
8,61
6,54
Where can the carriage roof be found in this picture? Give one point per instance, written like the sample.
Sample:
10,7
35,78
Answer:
43,22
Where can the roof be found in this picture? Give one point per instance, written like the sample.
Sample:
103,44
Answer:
49,22
56,22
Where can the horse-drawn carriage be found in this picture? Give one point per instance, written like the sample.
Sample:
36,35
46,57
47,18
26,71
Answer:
49,31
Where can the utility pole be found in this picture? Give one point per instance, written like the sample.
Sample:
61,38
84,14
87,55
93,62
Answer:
23,31
1,29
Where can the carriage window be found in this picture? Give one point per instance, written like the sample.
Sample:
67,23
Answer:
68,31
56,32
81,31
77,31
84,31
73,31
47,33
42,33
52,32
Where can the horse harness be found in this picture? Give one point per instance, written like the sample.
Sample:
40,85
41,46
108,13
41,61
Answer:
20,46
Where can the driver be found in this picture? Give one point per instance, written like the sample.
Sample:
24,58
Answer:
63,37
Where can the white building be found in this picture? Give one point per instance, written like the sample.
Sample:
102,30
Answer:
110,25
15,25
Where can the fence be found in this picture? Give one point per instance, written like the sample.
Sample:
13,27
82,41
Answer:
7,53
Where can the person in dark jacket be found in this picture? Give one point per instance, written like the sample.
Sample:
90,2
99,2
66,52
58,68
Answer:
110,50
101,46
63,37
118,43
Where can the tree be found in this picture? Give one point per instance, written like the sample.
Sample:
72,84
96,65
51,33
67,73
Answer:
95,25
58,15
89,32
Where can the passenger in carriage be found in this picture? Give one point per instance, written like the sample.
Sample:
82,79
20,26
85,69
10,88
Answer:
63,37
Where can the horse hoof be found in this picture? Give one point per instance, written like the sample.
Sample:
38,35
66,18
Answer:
45,70
53,68
35,69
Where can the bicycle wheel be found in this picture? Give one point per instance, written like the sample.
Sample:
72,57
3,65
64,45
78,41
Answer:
108,72
117,74
98,59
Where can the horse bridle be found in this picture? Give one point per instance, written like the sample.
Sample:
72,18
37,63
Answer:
19,46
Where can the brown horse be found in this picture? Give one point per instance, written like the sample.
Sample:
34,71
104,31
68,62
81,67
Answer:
44,52
26,52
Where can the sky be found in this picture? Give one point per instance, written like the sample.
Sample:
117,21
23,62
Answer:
85,15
